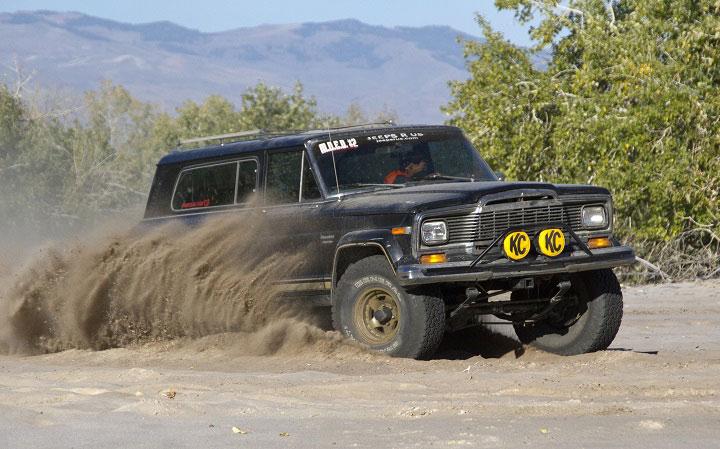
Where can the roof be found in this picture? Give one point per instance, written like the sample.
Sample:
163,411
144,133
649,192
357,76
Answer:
272,141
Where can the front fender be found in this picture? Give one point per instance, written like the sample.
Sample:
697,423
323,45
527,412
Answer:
391,245
358,244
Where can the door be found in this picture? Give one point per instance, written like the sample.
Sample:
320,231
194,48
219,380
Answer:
291,210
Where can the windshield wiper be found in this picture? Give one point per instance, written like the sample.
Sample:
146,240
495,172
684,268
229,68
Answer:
438,176
365,184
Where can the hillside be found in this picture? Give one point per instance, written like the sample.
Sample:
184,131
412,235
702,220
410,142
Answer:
339,62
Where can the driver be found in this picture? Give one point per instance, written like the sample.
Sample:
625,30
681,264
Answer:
413,165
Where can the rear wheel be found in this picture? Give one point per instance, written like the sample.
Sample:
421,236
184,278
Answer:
370,307
587,321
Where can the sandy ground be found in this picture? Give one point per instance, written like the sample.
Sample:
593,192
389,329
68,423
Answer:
657,387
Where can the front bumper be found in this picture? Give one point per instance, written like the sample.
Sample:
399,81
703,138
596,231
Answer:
503,269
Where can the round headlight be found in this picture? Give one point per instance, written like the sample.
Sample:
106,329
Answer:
434,232
594,217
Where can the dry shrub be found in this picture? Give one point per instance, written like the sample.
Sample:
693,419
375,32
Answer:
693,254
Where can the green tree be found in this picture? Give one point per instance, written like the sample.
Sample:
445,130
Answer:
262,107
110,158
269,108
67,171
629,100
215,115
355,115
13,127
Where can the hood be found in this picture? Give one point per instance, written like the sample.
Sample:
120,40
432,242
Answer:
437,195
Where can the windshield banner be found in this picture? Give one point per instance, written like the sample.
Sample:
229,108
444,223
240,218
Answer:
395,137
334,145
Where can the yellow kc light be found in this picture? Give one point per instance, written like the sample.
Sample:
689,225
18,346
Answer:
551,242
517,245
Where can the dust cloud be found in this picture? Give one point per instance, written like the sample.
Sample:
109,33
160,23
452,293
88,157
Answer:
171,281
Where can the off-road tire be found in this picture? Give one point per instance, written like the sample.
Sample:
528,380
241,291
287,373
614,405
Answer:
594,330
421,322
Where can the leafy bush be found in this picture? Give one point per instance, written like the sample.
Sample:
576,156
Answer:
629,100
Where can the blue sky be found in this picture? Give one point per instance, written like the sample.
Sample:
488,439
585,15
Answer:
218,15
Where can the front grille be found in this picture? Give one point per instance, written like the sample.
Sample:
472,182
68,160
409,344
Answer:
490,224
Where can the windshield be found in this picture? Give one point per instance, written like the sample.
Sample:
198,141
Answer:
398,159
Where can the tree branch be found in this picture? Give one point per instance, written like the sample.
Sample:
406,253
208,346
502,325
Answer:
653,267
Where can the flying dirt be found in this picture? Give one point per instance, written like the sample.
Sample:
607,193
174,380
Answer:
171,281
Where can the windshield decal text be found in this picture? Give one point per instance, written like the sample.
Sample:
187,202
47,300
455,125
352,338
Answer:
395,137
334,145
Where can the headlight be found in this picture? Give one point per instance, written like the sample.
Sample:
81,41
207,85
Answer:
434,232
594,217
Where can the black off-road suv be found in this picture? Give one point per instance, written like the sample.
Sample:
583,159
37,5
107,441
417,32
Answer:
409,233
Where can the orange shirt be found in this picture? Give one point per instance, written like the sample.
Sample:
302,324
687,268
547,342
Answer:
393,175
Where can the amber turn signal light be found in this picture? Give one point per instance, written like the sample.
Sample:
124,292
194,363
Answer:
599,242
401,231
433,258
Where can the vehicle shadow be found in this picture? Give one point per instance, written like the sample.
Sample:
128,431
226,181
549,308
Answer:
632,350
459,345
478,341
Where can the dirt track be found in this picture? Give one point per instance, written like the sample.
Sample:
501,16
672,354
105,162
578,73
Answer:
658,386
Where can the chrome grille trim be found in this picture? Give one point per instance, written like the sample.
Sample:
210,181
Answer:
490,224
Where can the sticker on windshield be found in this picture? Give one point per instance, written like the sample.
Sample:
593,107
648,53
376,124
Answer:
335,145
395,137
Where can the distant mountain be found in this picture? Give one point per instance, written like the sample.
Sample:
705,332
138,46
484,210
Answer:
339,62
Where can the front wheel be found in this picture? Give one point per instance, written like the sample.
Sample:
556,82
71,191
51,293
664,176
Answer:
585,322
369,306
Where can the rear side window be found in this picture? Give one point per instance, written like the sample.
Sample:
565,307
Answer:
283,177
215,185
310,190
247,181
289,179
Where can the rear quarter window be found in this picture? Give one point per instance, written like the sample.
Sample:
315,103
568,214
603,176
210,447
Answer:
206,187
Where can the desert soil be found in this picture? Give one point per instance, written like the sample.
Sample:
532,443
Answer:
657,387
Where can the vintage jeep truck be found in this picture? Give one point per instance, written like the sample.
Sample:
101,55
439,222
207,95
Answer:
409,234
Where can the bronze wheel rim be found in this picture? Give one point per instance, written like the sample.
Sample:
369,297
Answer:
377,316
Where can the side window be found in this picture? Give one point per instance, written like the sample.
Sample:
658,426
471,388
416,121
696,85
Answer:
282,184
284,178
247,181
206,187
310,190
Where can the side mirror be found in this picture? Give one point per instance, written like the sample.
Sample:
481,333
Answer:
500,175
